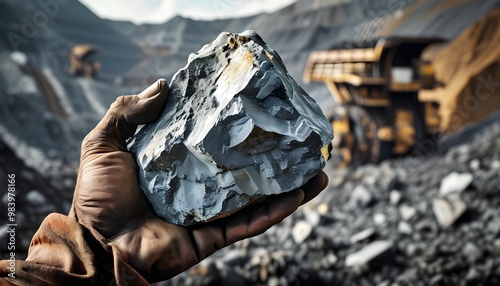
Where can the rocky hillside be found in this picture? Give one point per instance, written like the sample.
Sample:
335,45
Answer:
293,31
38,30
45,113
305,26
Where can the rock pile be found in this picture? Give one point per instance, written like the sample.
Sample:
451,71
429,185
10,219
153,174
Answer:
410,221
35,197
391,235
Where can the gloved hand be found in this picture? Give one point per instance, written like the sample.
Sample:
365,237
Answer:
108,198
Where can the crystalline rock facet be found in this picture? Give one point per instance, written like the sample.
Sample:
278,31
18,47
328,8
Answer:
235,127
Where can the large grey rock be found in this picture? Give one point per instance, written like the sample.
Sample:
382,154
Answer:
301,231
362,235
36,198
493,226
360,197
368,253
404,228
447,211
379,218
455,183
236,127
407,212
395,197
313,217
471,252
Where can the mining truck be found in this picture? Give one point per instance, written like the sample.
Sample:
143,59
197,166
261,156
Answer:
397,95
375,86
82,62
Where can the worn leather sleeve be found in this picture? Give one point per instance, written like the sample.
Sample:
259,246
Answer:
63,252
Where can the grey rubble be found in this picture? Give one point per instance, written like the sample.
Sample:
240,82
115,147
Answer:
236,126
421,252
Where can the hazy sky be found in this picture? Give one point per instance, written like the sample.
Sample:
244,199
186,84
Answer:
158,11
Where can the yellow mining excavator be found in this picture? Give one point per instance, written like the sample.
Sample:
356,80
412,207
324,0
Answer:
82,62
394,95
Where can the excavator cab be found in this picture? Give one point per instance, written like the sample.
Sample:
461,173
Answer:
82,61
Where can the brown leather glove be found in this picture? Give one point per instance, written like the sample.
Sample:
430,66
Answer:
114,212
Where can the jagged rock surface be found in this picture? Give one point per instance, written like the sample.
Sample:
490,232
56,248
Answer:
236,127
